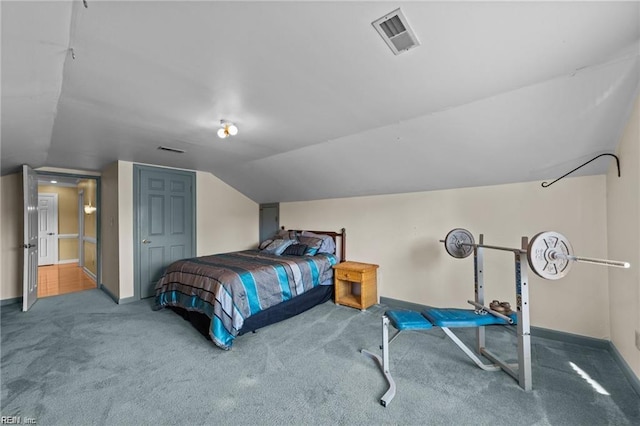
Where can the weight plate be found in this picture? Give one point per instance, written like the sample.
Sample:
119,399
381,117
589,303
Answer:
541,252
459,243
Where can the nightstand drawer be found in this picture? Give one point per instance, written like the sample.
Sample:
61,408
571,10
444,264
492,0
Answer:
354,276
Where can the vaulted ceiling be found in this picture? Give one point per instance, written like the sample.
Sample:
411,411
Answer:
497,92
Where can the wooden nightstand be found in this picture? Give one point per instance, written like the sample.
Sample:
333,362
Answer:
356,284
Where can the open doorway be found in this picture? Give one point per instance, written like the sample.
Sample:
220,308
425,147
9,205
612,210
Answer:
68,249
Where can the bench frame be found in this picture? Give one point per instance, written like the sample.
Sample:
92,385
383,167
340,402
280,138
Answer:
521,371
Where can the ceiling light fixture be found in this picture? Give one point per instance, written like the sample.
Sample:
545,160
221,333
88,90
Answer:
227,129
88,208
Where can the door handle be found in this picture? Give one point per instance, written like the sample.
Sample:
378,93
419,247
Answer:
28,246
50,233
145,241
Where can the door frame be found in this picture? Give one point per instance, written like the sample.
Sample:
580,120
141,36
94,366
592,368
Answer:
81,228
98,214
54,246
137,244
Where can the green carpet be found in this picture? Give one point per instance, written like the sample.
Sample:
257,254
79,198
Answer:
81,359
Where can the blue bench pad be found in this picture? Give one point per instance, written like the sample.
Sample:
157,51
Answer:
408,320
462,318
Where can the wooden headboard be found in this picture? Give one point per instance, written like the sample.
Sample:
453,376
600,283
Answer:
342,235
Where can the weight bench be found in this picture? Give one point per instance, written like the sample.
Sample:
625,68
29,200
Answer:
445,319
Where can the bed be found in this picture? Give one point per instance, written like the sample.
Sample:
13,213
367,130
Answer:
230,294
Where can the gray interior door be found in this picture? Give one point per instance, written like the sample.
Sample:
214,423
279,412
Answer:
165,222
269,221
30,259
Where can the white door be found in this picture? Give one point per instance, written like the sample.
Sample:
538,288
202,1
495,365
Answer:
47,229
30,258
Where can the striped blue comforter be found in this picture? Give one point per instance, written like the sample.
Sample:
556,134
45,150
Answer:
230,287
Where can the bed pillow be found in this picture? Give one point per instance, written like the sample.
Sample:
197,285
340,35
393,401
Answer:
265,243
313,244
285,235
278,246
328,244
295,250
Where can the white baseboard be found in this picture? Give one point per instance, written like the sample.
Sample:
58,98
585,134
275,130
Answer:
60,262
88,272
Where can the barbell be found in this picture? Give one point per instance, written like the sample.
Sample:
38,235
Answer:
549,253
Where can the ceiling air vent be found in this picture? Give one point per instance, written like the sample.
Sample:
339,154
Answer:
396,32
169,149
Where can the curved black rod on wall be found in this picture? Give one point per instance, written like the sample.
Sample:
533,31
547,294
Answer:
545,184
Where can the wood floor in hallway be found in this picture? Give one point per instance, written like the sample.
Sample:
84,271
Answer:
61,279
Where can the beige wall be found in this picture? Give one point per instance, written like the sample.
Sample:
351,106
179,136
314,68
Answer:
67,249
401,233
11,236
110,229
623,206
227,220
125,228
90,261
